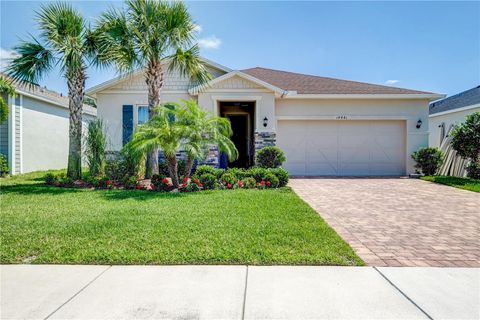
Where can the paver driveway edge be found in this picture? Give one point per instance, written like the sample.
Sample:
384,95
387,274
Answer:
399,221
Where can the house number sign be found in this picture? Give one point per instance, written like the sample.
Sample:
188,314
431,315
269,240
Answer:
341,118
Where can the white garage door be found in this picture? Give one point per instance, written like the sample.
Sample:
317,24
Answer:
343,148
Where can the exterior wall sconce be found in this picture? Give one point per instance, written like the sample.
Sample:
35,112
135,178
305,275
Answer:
419,123
265,121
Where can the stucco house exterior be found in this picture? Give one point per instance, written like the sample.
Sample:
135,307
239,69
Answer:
325,126
35,136
445,113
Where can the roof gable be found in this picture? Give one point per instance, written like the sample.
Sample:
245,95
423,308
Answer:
460,100
236,80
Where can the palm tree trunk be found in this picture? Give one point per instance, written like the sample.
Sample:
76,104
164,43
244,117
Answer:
154,80
189,166
76,92
173,169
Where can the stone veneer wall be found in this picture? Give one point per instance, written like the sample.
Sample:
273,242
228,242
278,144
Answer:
264,139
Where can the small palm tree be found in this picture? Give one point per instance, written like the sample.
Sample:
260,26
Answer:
160,132
66,41
7,88
203,130
146,34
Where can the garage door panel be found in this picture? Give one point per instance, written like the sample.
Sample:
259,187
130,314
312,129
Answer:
348,148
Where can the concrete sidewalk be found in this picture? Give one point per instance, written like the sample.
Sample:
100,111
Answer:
237,292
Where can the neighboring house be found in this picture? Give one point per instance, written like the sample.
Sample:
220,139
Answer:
444,114
35,136
325,126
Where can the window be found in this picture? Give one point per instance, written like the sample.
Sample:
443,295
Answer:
142,114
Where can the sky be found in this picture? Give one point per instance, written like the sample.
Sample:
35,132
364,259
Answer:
432,45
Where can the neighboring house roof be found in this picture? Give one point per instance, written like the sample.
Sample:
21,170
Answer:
46,95
461,100
308,84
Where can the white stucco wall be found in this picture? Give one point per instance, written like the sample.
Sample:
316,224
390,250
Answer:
373,109
449,119
44,141
110,109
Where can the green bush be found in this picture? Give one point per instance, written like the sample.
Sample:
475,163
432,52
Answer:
270,157
281,174
201,170
51,179
466,141
256,173
130,182
473,170
271,180
229,178
208,180
249,183
96,143
114,170
240,173
428,160
161,183
4,170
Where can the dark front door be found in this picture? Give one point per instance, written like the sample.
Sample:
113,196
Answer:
240,138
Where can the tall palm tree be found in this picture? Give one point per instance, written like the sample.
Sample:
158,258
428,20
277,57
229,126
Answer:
202,130
160,132
144,35
65,40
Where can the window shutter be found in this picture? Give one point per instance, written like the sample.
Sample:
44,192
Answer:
127,123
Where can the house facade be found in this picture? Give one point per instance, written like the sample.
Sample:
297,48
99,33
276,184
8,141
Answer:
35,136
327,127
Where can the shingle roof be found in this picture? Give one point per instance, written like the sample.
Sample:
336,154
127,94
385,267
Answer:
460,100
43,92
308,84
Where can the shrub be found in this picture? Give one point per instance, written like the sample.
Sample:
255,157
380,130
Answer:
131,163
466,141
201,170
51,179
249,183
130,182
281,174
4,170
229,179
192,187
208,180
96,143
271,180
428,160
473,170
114,170
270,157
240,173
64,180
256,173
161,184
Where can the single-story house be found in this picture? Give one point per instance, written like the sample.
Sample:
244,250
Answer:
35,136
446,113
327,127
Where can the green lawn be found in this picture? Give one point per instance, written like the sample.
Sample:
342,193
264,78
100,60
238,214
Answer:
462,183
41,224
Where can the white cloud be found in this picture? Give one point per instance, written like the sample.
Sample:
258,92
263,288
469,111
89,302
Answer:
5,56
390,82
211,42
197,28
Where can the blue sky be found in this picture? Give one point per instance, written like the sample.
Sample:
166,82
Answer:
432,46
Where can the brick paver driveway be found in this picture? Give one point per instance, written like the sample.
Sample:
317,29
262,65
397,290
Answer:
399,222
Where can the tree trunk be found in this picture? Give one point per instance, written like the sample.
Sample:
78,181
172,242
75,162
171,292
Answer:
189,166
76,92
173,169
154,80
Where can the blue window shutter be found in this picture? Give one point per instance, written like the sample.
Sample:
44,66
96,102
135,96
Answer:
127,123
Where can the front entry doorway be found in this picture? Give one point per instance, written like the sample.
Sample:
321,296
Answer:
241,116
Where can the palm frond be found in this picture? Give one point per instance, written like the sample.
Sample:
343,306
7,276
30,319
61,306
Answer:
33,62
190,64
